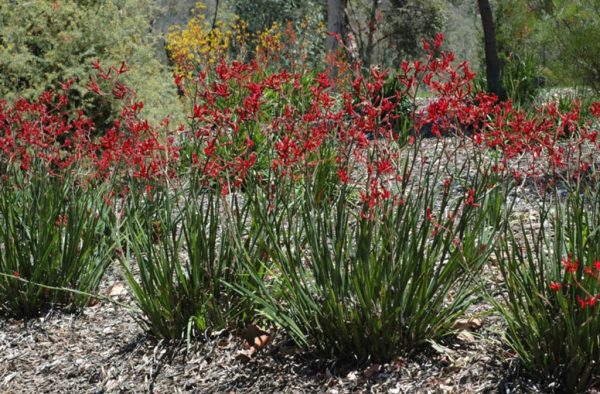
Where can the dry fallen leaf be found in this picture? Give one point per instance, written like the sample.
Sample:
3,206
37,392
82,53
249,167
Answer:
223,343
255,337
117,290
398,363
466,336
245,356
467,324
443,350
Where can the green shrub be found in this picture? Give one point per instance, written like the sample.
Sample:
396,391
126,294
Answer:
181,259
357,283
520,78
43,43
551,281
52,233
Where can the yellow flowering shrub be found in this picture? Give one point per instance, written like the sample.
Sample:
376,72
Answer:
199,43
269,44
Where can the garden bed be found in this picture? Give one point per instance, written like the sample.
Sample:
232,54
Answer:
103,349
373,260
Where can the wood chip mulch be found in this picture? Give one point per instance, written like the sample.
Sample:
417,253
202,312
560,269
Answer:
103,350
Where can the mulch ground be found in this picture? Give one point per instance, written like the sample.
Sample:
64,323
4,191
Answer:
103,350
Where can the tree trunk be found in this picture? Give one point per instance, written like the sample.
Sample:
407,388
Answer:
370,37
335,27
492,62
214,21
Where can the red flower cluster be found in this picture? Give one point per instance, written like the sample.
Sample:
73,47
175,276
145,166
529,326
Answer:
132,148
591,271
47,135
570,266
244,118
589,301
43,133
539,144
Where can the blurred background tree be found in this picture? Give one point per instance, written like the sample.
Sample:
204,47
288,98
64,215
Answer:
574,32
398,27
549,43
490,47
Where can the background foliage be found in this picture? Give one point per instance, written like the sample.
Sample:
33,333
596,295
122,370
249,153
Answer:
559,38
541,42
43,42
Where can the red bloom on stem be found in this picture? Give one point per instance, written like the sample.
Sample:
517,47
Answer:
119,91
224,189
343,175
61,221
323,80
179,82
439,39
587,302
471,198
447,183
570,266
25,161
555,286
384,166
430,217
96,65
123,68
595,109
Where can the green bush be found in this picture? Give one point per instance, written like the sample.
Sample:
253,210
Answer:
545,270
360,286
52,233
182,259
43,43
520,78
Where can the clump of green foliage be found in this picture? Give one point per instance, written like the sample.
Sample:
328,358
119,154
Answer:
46,42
